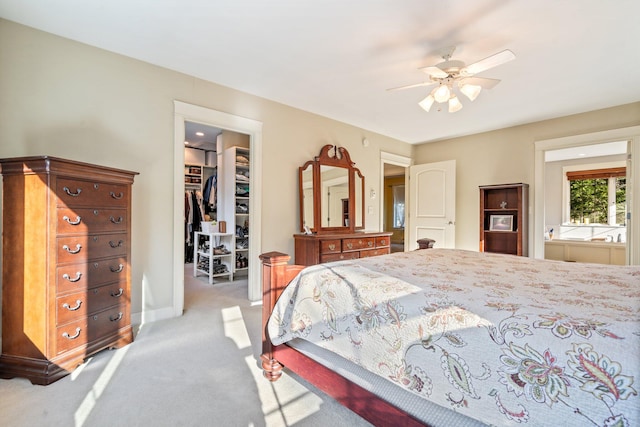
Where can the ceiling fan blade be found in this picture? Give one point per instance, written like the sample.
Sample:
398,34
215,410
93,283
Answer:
483,82
434,72
488,62
412,86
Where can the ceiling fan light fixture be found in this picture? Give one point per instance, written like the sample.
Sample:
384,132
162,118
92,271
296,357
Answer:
427,103
441,93
454,104
471,91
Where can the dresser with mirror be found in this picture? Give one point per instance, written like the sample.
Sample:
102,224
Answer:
332,214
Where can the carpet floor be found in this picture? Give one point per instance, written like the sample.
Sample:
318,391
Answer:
200,369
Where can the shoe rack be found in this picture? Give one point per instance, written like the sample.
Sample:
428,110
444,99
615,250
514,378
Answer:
213,255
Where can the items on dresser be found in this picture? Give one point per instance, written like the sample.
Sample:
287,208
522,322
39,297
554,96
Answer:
66,274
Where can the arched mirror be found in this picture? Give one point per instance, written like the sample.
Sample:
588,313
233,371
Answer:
331,193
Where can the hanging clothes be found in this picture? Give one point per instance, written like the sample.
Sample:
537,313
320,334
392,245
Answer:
194,215
211,190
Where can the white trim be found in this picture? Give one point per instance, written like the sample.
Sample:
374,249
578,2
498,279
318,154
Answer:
631,134
397,160
188,112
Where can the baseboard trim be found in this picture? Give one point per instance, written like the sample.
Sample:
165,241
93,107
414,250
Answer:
149,316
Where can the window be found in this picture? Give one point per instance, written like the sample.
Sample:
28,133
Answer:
597,196
398,206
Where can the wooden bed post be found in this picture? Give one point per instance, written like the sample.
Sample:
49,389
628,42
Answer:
276,275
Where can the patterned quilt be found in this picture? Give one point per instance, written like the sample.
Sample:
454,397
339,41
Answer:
503,339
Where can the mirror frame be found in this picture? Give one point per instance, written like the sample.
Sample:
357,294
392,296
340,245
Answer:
331,155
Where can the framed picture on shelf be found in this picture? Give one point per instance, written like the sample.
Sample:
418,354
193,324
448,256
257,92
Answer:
501,223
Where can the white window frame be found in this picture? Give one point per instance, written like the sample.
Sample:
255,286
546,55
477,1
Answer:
566,190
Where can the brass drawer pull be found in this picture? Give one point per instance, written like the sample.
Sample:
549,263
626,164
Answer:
114,244
350,245
116,270
76,194
383,242
68,307
71,251
77,221
332,247
72,337
116,196
116,318
78,276
116,295
116,221
370,243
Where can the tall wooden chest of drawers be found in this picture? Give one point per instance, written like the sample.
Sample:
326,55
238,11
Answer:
66,274
314,249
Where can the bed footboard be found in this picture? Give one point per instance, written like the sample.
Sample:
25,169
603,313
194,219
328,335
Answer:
276,275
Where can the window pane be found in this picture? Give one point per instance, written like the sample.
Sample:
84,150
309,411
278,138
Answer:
398,206
589,200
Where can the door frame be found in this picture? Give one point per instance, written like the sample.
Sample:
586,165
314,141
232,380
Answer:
403,161
193,113
631,134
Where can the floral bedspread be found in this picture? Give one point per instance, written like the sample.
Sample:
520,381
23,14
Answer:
503,339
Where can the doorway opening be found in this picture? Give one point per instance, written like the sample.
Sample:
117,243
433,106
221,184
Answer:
394,213
188,113
631,138
393,200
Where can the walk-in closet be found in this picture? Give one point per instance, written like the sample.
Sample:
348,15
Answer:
216,203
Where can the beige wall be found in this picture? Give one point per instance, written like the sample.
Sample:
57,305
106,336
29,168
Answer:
507,156
70,100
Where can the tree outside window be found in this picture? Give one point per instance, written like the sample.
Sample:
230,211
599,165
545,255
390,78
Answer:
598,196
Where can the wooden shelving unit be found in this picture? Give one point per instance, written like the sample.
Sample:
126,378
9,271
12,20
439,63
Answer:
504,218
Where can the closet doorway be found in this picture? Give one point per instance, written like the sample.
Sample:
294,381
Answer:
233,126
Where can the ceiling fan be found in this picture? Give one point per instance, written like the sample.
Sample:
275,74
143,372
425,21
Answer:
452,73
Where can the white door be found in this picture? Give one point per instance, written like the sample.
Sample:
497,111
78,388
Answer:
432,203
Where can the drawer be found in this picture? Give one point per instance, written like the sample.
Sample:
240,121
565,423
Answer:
330,246
87,275
87,220
75,192
339,257
358,243
97,325
80,304
383,241
82,248
374,252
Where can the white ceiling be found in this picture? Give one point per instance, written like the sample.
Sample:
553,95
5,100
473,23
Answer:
336,58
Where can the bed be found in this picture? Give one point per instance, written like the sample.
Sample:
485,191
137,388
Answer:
452,337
